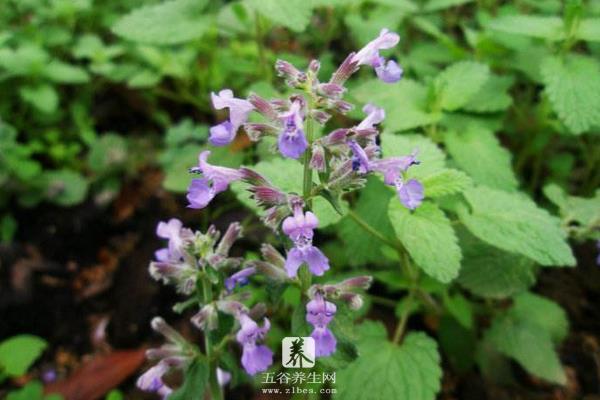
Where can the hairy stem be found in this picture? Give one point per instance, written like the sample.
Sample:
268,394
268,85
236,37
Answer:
215,388
308,183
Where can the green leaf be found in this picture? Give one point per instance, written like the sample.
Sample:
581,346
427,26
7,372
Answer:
62,72
107,153
293,14
493,95
169,22
185,131
18,353
543,312
589,29
405,103
287,175
573,86
8,228
43,97
446,182
478,152
435,5
543,27
583,211
31,391
410,371
65,187
360,246
490,272
514,223
460,308
195,383
518,334
429,238
454,89
114,395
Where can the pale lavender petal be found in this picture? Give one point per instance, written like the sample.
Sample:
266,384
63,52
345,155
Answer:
222,134
162,255
360,160
410,193
375,115
256,359
316,260
385,40
292,145
389,72
325,342
240,278
320,312
294,259
199,193
223,377
151,380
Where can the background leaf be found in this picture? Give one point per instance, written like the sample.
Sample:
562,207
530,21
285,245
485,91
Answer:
18,353
458,83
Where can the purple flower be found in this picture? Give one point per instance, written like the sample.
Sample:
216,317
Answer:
389,71
299,229
292,142
319,313
151,380
255,358
177,235
223,377
410,193
374,116
215,180
224,133
360,160
240,278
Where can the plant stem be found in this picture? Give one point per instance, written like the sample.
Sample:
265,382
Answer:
215,388
401,327
308,183
364,224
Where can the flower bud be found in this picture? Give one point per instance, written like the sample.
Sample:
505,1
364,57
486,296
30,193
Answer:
345,70
317,161
206,319
293,76
233,233
161,326
263,106
271,271
320,116
314,66
273,256
257,131
331,90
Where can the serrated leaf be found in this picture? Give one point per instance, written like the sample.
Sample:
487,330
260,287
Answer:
446,182
478,152
543,27
360,246
521,338
405,103
435,5
287,175
489,272
589,29
584,211
18,353
514,223
427,235
493,95
170,22
195,383
573,86
410,371
543,312
458,83
293,14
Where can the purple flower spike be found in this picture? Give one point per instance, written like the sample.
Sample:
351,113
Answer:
375,115
388,72
255,358
222,134
240,278
292,143
317,262
410,193
238,114
215,180
319,313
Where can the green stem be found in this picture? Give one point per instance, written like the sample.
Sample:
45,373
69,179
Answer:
365,225
308,183
401,327
215,388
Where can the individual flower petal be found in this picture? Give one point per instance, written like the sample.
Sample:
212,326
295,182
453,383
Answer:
215,180
151,380
410,193
295,258
360,160
222,134
385,40
317,262
325,342
200,193
375,115
320,312
240,278
292,144
389,72
238,108
255,358
223,377
249,331
300,225
172,230
162,255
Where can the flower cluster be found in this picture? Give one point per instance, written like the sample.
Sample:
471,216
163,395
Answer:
199,264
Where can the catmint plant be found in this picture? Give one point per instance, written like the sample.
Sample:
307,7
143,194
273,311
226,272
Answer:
199,264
